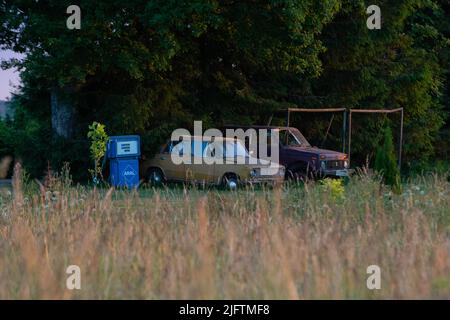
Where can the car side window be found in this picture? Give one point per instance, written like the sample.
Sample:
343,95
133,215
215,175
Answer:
177,147
291,140
210,150
167,148
287,139
283,138
197,148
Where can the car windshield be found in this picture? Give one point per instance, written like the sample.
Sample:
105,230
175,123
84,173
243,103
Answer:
234,149
228,149
293,138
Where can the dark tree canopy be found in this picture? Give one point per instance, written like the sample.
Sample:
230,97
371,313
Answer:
147,67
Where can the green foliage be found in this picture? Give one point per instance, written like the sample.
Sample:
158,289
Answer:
6,138
99,139
334,187
402,65
146,67
160,59
26,138
386,163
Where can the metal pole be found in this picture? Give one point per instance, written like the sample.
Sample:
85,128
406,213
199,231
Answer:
344,126
328,130
401,142
349,136
288,117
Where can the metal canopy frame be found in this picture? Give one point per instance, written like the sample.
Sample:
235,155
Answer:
383,111
348,112
320,110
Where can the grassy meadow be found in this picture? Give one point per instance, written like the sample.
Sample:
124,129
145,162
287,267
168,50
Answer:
312,241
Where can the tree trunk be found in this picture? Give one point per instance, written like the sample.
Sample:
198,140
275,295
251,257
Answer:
63,112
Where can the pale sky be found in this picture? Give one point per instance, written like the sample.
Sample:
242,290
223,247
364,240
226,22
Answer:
10,77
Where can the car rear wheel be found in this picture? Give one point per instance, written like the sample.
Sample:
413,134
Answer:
230,182
155,177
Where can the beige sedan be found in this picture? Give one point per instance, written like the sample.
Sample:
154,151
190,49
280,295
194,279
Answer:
224,162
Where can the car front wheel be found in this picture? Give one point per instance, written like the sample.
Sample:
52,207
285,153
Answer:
155,177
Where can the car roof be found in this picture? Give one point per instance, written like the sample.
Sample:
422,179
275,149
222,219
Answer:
202,138
258,127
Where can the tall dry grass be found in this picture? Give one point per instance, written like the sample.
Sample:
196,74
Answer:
290,243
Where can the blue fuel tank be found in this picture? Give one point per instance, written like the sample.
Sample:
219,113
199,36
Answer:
123,153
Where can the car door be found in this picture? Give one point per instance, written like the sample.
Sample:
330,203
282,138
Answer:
198,170
172,171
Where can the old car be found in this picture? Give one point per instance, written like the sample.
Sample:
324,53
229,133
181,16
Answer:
301,160
226,163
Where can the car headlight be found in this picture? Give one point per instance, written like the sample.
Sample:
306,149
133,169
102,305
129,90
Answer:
254,172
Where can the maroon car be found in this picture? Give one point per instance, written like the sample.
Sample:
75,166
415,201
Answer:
300,159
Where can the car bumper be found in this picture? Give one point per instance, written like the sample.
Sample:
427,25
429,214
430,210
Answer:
338,173
265,179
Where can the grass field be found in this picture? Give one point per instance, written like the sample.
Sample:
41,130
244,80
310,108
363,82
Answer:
294,242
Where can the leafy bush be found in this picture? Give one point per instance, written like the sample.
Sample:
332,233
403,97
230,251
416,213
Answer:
99,139
386,163
333,186
27,140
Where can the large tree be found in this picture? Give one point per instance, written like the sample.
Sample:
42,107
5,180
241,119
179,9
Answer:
404,64
147,51
149,66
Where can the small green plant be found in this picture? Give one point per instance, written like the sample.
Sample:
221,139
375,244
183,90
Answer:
386,163
333,186
99,139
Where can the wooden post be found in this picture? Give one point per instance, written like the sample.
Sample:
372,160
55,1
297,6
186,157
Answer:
348,129
288,117
344,127
349,136
401,142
